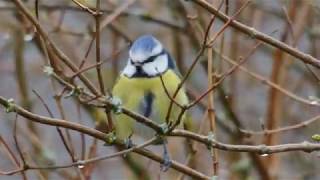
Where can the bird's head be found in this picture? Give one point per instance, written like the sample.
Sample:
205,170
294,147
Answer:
147,58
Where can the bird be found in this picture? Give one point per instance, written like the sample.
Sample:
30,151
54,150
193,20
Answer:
143,86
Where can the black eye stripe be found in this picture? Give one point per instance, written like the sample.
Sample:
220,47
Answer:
150,59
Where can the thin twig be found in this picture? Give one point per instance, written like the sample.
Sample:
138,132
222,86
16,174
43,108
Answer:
303,124
226,74
269,83
307,58
261,149
15,138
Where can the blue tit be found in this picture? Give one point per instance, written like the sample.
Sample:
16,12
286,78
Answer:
140,88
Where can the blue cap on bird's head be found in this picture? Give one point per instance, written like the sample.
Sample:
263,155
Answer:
144,47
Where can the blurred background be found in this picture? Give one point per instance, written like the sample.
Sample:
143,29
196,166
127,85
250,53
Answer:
246,99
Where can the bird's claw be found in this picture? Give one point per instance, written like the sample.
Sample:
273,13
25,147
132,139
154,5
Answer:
167,163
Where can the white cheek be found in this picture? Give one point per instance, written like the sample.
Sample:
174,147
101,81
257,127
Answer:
129,70
156,50
159,65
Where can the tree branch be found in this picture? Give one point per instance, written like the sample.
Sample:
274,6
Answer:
259,35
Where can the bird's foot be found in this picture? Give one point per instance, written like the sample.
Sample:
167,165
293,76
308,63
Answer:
166,164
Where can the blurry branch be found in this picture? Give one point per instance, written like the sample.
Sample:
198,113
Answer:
116,29
11,155
15,138
179,11
20,70
85,8
225,75
224,98
99,26
275,106
64,141
144,17
259,35
84,69
81,163
68,140
85,58
313,74
261,149
98,135
211,110
283,129
104,102
204,45
22,78
104,157
183,80
97,17
116,13
269,83
194,146
220,121
212,70
53,47
141,119
168,94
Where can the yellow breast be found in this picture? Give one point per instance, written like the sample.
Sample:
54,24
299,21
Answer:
131,91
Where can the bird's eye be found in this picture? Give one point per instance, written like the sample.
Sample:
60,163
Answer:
152,58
